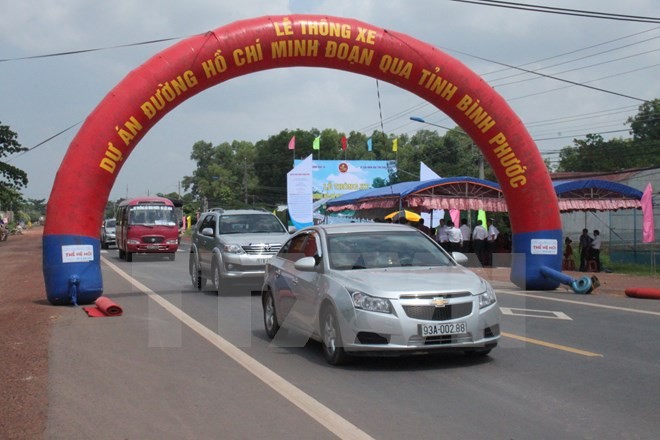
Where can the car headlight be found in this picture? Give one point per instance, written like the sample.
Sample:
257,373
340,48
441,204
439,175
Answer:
488,297
172,241
233,249
371,303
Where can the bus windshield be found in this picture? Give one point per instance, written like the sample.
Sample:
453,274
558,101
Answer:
152,215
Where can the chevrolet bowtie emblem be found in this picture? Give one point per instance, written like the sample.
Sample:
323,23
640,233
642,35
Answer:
439,302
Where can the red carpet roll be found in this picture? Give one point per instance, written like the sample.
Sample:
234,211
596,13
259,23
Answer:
643,292
104,307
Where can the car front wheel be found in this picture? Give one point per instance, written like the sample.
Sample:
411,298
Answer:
196,278
333,347
270,316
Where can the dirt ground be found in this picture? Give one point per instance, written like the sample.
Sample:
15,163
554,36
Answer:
26,317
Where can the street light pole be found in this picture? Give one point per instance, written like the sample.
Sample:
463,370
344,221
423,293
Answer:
481,157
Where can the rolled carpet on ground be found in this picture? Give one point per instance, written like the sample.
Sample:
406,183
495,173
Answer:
103,307
643,292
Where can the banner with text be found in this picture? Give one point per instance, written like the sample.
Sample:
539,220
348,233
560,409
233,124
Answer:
334,178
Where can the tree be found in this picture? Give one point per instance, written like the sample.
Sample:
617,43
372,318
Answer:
645,125
225,175
596,154
12,179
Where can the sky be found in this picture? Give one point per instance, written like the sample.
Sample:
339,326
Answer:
41,97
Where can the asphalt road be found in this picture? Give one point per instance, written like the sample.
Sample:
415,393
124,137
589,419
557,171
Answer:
185,364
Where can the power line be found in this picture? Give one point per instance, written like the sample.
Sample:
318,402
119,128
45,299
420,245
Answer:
97,49
585,57
575,83
562,11
43,142
578,50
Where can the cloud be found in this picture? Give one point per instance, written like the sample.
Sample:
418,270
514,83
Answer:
41,97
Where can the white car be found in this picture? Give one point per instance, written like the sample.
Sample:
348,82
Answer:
377,289
108,233
231,247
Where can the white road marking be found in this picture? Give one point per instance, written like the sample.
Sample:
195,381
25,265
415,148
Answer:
531,313
332,421
569,301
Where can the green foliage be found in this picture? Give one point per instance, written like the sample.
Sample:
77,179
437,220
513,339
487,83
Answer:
12,179
596,154
645,125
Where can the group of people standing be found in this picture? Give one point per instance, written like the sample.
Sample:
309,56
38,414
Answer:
590,249
481,240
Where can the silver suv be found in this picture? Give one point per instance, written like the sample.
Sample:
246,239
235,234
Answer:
234,245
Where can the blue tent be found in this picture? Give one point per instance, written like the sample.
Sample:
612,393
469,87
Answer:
465,193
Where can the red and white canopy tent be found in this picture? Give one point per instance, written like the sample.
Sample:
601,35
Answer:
469,193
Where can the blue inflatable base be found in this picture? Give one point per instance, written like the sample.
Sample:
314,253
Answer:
530,252
72,269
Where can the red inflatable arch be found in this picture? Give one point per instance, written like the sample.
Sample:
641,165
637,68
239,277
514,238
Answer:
111,132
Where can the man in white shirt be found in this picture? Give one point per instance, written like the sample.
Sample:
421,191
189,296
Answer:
467,239
493,232
479,235
454,238
441,234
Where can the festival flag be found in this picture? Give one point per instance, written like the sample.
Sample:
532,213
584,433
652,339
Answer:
292,143
317,143
395,145
482,216
648,226
369,144
344,143
455,216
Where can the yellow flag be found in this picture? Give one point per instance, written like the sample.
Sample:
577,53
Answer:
395,145
482,216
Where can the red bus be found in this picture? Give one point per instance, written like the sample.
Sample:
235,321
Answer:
147,225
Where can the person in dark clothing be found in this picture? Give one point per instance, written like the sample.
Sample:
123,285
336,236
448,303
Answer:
585,247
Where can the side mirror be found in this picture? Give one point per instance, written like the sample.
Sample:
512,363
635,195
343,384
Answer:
306,264
292,229
459,257
208,232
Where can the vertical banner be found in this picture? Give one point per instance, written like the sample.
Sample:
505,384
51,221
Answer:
433,219
299,194
648,226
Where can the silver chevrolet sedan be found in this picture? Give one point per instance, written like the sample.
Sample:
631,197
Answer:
376,289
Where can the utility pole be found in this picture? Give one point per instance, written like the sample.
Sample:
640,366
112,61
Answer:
245,182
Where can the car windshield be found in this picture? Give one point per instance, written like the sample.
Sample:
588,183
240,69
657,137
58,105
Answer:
150,215
366,250
110,223
250,224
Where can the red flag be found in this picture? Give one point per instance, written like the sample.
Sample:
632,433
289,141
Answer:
292,143
648,226
344,143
